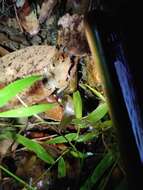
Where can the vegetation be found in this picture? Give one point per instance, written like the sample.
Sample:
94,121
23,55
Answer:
77,152
87,130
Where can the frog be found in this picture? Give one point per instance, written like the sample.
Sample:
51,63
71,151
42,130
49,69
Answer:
57,69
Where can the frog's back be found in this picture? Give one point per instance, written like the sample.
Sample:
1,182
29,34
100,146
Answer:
27,61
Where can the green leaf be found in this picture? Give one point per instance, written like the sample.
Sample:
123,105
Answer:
105,179
106,125
78,154
77,104
98,113
27,111
98,94
81,123
98,172
86,137
62,139
61,168
35,147
14,88
6,135
72,137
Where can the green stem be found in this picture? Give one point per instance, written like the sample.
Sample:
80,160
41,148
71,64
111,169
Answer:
17,178
98,94
41,176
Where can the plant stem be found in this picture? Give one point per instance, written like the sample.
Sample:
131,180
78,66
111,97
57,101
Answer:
17,178
41,176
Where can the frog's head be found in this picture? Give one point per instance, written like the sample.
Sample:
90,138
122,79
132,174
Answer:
61,74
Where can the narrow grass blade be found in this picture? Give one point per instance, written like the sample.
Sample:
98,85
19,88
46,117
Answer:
77,104
27,111
105,179
61,168
35,147
17,178
72,137
98,113
81,123
86,137
61,139
14,88
98,94
78,154
98,172
6,134
106,125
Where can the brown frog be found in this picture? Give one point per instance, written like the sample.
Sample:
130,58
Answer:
57,69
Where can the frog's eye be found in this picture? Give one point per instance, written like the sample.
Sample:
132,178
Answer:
45,80
48,78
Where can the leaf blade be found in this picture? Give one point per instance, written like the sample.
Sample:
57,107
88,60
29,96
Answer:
62,139
104,164
77,104
94,91
61,168
36,148
8,92
98,113
27,111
